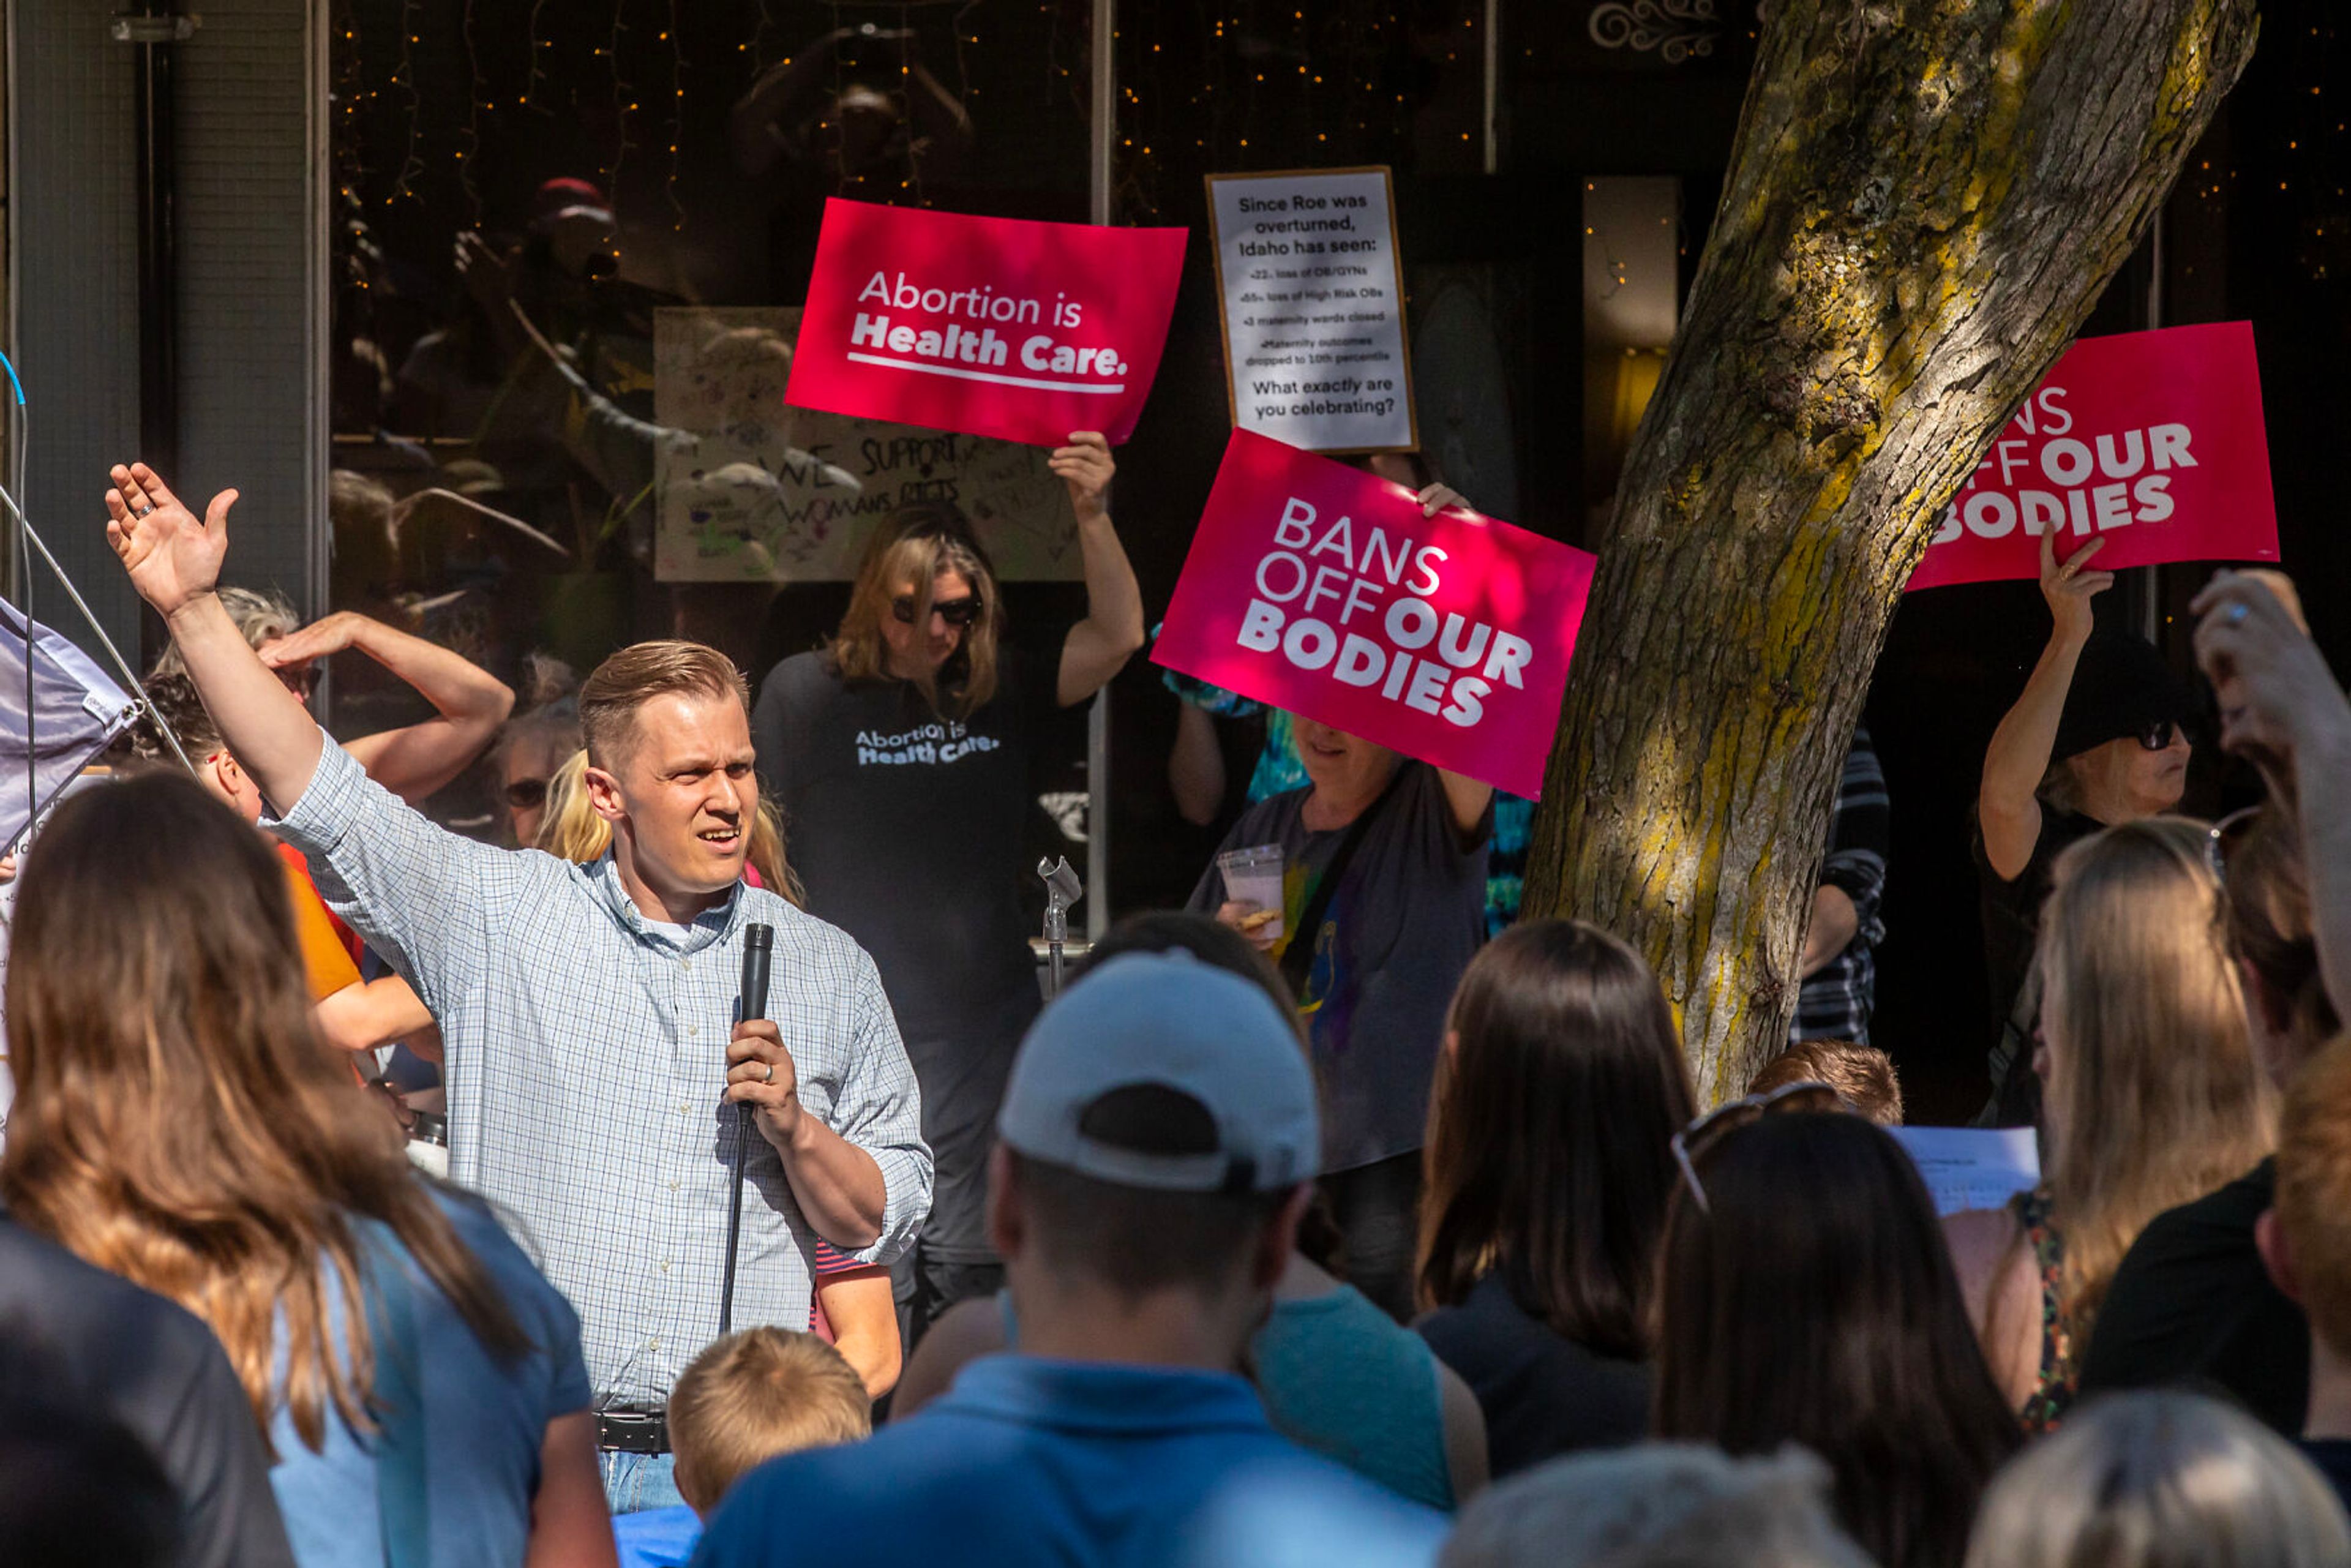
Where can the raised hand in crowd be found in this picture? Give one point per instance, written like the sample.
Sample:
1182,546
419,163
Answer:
1098,647
2281,709
415,761
2008,806
173,560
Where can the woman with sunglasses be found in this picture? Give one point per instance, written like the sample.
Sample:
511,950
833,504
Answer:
901,756
2153,1095
1559,1088
2096,739
1806,1298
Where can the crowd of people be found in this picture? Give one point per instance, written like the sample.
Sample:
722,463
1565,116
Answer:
1316,1223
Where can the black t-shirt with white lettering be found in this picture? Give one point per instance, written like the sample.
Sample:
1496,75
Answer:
908,830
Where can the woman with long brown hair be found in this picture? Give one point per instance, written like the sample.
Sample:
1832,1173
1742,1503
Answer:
1548,1171
1806,1298
901,757
179,1121
2152,1096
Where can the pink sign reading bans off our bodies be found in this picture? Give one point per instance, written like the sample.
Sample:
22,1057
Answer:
996,326
1318,588
2152,440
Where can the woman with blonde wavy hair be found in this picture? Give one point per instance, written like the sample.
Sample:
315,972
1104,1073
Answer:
2152,1096
177,1122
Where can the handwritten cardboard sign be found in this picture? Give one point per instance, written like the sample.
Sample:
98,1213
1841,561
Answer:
750,489
1317,588
996,326
2152,440
1309,274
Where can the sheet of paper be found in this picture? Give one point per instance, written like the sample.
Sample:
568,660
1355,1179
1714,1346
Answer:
1312,289
1973,1167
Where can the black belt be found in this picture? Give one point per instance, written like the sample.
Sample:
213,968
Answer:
632,1431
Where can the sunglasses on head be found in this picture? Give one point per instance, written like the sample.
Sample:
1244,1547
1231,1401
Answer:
1690,1144
524,794
2220,840
954,611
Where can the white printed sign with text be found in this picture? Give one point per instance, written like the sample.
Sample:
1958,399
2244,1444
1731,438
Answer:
1312,289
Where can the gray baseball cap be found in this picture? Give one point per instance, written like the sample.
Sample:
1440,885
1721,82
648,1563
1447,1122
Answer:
1167,1021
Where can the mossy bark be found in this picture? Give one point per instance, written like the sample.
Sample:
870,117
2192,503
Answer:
1926,200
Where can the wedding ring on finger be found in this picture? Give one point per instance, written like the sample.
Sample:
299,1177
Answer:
145,509
2237,613
770,1078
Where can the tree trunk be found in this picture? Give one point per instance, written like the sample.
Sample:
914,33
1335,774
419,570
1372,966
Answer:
1926,198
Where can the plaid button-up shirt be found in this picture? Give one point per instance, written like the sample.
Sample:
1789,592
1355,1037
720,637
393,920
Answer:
586,1058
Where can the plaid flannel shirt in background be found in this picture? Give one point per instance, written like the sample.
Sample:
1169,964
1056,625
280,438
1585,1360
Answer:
1836,1002
586,1054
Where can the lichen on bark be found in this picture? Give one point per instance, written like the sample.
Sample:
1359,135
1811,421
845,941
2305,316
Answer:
1926,199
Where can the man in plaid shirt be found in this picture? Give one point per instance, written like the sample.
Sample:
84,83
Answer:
593,1057
1840,962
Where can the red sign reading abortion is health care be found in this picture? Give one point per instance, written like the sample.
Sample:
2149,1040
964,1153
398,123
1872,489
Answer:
1320,588
996,326
2151,440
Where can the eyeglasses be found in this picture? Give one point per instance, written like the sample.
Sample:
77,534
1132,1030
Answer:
954,611
2223,838
526,794
1692,1142
2156,736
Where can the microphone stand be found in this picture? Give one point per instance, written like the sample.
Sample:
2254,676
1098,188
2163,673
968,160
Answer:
1061,890
758,941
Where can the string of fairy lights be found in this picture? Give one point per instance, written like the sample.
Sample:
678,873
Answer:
1204,84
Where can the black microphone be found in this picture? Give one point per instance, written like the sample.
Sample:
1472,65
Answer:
758,941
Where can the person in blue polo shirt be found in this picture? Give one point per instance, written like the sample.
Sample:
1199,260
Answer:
1156,1150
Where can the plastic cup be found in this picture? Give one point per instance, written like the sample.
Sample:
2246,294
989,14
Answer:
1253,877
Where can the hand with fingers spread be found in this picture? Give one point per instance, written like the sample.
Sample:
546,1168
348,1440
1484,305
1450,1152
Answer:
2069,588
1086,466
173,559
760,1073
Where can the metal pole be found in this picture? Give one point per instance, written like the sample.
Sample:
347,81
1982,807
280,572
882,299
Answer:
1101,135
2150,604
1493,81
155,34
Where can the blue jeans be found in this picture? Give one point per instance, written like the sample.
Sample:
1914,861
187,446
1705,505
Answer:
635,1482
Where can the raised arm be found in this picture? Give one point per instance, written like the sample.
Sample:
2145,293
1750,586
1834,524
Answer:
424,898
415,761
1100,645
1467,800
2281,708
2007,807
174,562
1196,766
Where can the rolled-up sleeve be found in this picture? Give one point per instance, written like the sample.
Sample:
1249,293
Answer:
880,1110
420,894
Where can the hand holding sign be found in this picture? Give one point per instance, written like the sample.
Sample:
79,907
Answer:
2069,589
1085,466
1321,589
